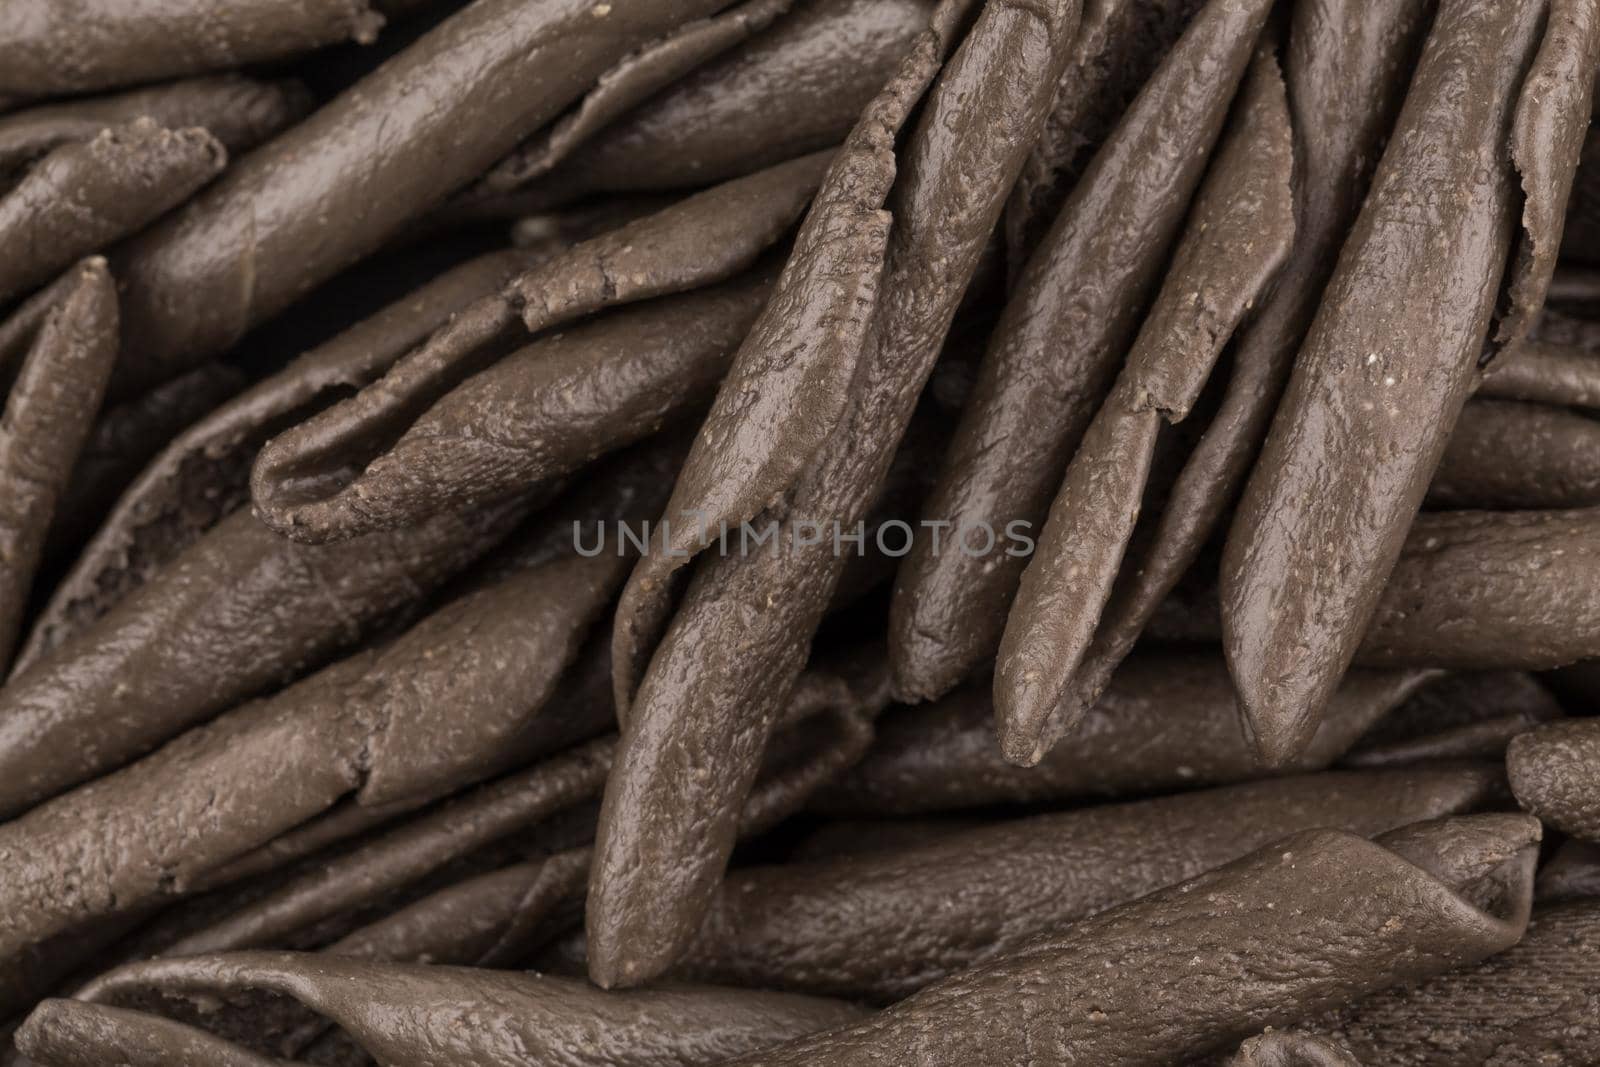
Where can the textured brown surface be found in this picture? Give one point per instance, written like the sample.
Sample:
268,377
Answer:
884,924
1380,380
1310,922
1166,722
1035,393
84,195
1536,1003
48,414
239,112
412,1016
1555,773
696,723
1239,233
317,199
83,45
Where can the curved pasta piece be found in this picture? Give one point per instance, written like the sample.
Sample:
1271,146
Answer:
85,195
406,853
1347,67
56,49
401,856
1469,716
1166,722
1379,381
497,919
245,778
885,924
534,416
48,414
1572,873
726,661
1542,991
70,1033
1032,401
579,709
1119,46
1578,239
309,483
239,112
1508,454
407,1015
1416,903
239,610
797,87
203,474
1280,1049
288,217
468,692
1544,372
1481,590
125,438
1554,774
1237,238
630,83
1547,136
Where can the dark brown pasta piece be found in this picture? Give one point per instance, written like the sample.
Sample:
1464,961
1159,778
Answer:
885,924
496,919
239,610
1509,454
70,1033
239,112
1555,773
1347,66
1572,873
1534,1003
1574,285
85,195
57,49
796,88
468,692
309,483
409,852
1470,715
1380,379
1485,740
1088,281
1544,372
407,1015
320,197
201,476
1287,1049
1547,136
1118,47
1473,590
1483,590
636,79
1462,699
1579,240
699,718
1166,722
126,438
1308,923
48,414
1239,233
535,415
